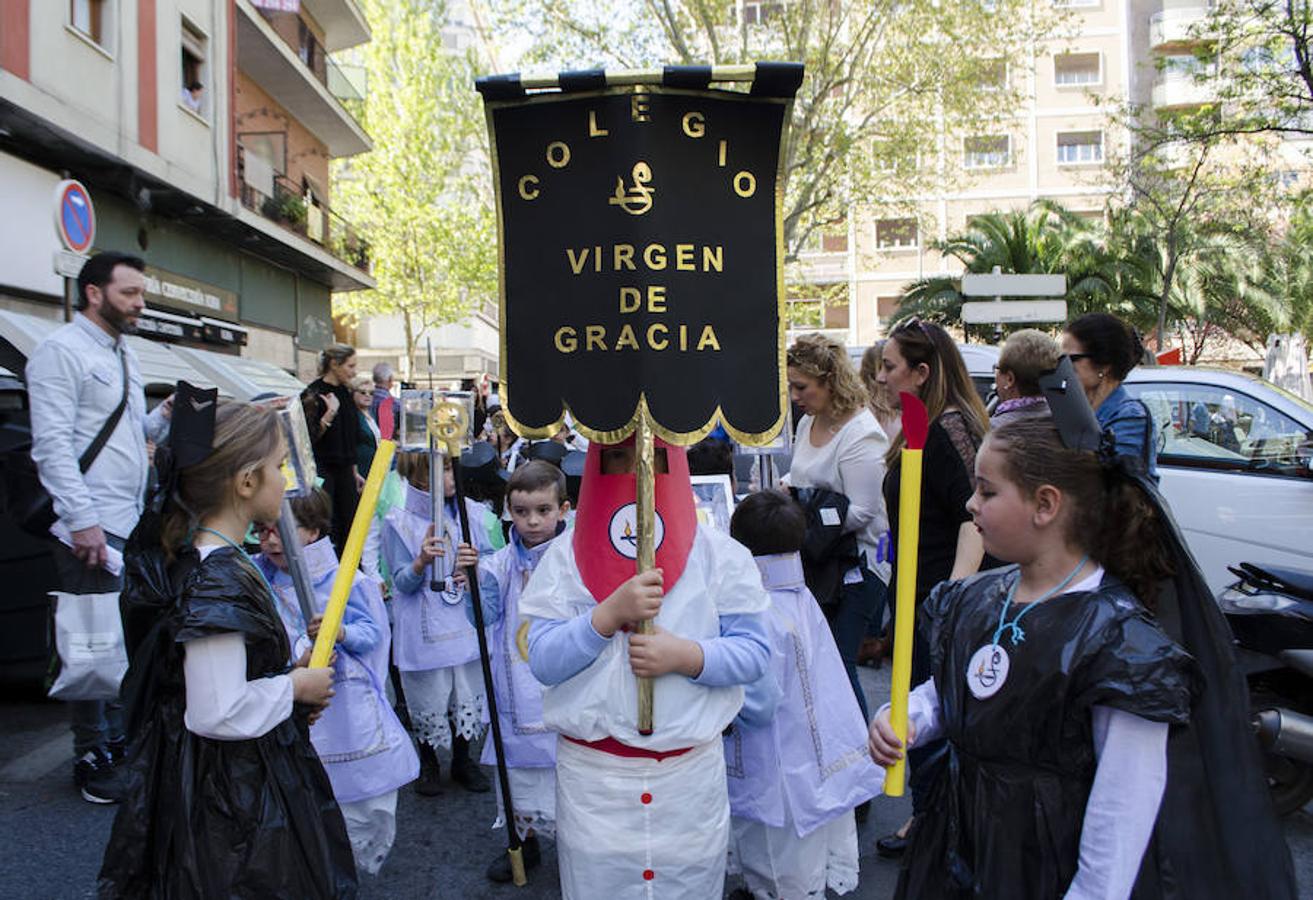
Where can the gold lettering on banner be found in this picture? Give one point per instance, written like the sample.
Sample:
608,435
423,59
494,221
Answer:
638,107
558,154
695,125
657,336
651,336
593,129
527,192
655,257
636,200
577,262
745,184
565,339
627,338
624,256
631,299
724,151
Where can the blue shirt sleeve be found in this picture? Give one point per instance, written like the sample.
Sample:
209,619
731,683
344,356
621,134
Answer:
1133,429
489,597
559,649
405,580
362,632
740,655
760,699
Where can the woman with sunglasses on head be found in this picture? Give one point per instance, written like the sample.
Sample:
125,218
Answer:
1103,349
840,447
921,359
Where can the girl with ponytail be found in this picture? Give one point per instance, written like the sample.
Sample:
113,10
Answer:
227,797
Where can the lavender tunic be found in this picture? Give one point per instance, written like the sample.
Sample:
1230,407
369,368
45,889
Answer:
502,577
810,757
359,739
430,628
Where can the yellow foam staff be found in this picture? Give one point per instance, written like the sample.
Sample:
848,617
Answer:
355,543
916,425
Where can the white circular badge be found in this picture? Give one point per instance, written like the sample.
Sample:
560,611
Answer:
987,671
624,531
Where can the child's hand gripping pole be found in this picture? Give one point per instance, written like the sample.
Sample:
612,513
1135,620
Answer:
916,425
355,543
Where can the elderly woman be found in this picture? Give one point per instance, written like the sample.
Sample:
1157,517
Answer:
1026,355
1103,349
362,392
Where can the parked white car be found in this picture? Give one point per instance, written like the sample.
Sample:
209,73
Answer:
1235,454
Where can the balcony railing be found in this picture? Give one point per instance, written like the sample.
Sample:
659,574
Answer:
313,220
1179,25
315,58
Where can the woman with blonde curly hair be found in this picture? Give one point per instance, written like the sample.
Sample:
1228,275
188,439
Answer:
839,446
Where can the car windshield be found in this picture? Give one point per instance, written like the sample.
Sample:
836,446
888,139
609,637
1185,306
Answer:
1214,426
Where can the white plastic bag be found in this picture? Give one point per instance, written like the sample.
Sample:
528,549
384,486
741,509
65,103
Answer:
89,640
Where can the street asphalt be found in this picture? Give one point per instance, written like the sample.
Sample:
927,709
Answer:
51,841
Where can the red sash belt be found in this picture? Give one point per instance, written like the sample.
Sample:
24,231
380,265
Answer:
615,748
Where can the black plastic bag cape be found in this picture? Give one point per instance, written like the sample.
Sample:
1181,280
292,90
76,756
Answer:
208,818
1217,835
1007,798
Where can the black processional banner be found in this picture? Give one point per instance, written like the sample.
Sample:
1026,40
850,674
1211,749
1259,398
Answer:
642,252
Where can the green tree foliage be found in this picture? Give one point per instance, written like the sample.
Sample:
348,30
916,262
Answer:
886,79
1046,238
422,196
1232,278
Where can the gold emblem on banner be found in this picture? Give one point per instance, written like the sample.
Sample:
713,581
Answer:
638,199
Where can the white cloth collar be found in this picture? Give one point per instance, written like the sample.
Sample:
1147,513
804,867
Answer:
781,571
320,559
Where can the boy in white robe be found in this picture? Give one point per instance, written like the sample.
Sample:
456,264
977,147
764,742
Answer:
796,755
642,816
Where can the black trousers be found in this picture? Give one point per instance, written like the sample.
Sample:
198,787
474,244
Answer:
340,485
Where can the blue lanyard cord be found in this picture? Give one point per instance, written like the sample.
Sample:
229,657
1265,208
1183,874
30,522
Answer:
273,595
1014,627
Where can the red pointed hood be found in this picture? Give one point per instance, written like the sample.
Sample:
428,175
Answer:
605,532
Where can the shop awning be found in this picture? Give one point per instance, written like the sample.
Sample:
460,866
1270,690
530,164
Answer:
162,365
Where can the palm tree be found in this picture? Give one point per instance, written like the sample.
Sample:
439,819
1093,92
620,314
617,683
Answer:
1046,238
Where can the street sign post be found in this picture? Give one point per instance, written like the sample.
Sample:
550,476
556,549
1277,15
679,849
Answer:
75,225
1008,284
999,284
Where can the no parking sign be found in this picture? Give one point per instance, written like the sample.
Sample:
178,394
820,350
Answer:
75,217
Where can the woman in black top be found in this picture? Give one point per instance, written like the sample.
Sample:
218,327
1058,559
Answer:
330,411
920,358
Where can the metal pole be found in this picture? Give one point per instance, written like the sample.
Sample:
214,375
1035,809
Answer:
296,567
436,496
646,515
70,298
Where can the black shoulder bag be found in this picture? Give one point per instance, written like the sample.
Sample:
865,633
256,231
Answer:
26,498
828,551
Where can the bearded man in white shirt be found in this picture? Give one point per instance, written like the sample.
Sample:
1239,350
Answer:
75,381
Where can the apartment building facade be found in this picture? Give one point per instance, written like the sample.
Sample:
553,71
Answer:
1056,147
203,131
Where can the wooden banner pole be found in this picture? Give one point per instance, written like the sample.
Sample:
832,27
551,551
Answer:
646,516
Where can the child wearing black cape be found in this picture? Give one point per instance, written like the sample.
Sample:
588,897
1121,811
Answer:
1088,754
226,795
